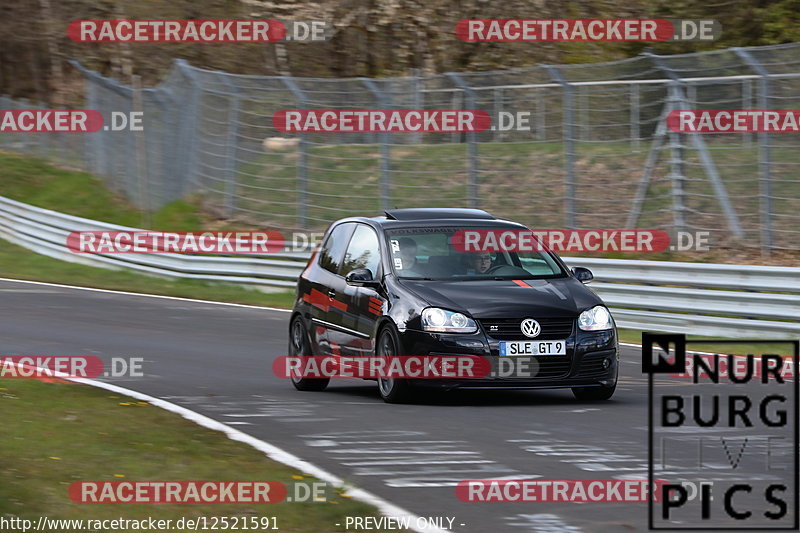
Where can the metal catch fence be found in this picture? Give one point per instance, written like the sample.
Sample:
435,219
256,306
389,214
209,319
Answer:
592,149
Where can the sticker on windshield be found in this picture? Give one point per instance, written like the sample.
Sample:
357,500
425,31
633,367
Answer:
395,246
398,263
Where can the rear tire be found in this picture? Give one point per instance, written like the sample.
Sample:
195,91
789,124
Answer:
299,345
392,390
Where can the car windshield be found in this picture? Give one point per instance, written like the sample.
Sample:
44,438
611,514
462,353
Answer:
434,253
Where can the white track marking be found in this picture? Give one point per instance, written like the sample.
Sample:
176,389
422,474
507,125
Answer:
270,450
409,463
145,295
542,523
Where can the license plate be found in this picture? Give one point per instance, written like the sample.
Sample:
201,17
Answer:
511,348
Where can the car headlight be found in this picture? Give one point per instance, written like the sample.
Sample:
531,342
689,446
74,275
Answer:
444,321
595,319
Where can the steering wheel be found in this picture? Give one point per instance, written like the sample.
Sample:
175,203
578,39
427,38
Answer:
494,269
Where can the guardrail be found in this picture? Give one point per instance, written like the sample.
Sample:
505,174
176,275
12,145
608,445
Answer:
693,298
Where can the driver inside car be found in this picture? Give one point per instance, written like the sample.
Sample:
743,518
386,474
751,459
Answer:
479,263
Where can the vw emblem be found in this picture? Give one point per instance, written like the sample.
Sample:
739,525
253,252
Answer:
530,328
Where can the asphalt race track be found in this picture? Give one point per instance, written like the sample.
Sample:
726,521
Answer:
216,360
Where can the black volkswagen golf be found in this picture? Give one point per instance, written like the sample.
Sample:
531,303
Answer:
399,285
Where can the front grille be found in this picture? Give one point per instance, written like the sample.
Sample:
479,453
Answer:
552,366
545,367
507,329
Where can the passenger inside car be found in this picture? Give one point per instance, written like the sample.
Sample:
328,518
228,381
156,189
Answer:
408,265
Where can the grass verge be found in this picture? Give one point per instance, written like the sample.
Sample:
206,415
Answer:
37,182
781,348
59,432
20,263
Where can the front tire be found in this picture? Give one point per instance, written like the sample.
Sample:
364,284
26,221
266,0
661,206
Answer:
392,390
299,345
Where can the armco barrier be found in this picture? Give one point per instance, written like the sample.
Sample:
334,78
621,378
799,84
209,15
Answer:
692,298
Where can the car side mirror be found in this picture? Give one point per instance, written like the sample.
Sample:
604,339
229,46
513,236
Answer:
361,277
584,275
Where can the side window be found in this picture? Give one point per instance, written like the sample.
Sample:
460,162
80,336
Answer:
330,256
363,251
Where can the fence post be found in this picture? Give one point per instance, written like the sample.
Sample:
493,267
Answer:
691,95
634,105
472,144
190,132
384,136
302,157
677,175
4,104
541,120
498,108
583,98
764,163
676,99
747,103
233,144
43,141
141,154
24,103
456,102
568,120
418,98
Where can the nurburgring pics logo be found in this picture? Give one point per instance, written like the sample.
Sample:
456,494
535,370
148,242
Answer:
734,121
381,120
733,434
596,30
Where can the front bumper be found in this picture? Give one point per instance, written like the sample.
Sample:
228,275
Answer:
592,359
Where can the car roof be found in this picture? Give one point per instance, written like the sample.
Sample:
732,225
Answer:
426,217
430,213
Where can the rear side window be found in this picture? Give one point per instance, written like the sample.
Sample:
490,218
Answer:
363,251
330,256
